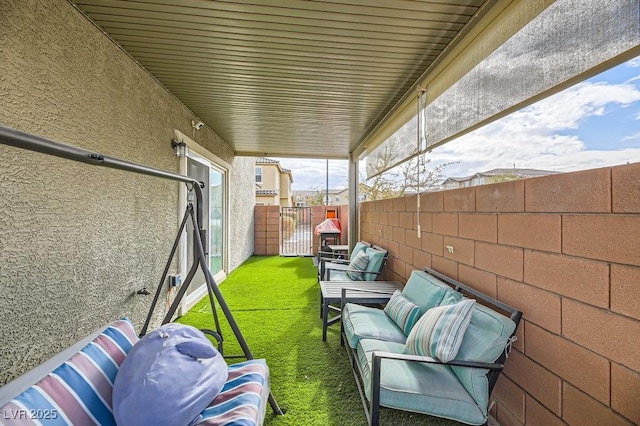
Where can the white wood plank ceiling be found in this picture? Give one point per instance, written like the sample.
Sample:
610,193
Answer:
299,78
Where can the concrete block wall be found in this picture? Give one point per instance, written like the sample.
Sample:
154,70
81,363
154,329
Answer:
267,230
267,227
564,249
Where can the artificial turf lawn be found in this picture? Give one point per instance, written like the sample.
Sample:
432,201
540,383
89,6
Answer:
275,301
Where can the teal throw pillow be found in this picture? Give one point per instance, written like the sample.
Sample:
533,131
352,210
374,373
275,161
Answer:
402,311
360,263
440,331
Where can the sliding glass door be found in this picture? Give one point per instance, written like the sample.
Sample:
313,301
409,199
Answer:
213,195
216,220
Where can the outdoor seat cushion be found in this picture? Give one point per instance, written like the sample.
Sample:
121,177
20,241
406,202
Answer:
419,387
79,391
337,274
357,248
428,292
376,258
484,341
358,262
243,398
362,322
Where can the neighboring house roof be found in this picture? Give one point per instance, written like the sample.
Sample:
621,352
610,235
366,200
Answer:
520,173
288,171
458,179
517,172
264,160
306,193
266,192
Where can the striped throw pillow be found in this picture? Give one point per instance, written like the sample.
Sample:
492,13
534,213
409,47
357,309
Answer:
440,331
402,311
360,263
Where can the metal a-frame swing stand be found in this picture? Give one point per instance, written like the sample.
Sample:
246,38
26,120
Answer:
18,139
199,261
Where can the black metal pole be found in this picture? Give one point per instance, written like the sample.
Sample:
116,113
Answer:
18,139
165,272
227,313
326,201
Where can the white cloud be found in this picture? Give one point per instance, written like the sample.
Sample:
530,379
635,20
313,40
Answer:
634,63
312,174
539,136
634,137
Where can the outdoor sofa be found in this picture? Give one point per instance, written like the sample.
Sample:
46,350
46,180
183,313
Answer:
347,268
391,369
75,387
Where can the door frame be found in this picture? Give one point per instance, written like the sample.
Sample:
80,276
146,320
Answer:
202,155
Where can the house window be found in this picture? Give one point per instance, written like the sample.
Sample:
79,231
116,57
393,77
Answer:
259,174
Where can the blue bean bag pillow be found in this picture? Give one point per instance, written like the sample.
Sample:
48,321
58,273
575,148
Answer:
168,378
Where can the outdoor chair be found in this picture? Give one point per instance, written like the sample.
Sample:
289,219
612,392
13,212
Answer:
437,348
364,263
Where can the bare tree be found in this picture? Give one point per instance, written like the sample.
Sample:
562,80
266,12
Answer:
410,177
318,198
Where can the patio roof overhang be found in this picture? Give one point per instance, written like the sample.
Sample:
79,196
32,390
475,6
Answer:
316,79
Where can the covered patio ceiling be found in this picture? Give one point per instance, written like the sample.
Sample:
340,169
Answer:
294,78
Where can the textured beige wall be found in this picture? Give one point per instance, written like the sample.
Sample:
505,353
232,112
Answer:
76,241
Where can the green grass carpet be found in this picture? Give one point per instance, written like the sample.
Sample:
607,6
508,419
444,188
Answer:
275,301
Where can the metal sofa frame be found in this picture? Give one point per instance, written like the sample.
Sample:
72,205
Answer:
372,408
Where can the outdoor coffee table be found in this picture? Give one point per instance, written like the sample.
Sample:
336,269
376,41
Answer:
331,293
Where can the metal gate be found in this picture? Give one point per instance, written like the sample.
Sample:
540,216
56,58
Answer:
296,232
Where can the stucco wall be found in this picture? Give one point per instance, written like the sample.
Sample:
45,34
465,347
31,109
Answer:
241,203
564,249
77,241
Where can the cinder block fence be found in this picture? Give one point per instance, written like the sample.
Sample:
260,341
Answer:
267,227
564,249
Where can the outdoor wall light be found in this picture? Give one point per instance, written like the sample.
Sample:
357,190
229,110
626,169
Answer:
180,148
197,124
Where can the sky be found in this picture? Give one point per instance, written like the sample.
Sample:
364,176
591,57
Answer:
593,124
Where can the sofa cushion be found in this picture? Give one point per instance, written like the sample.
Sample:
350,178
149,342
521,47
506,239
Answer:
366,322
80,390
402,311
359,262
486,338
424,388
243,399
451,297
440,331
376,257
358,248
426,290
